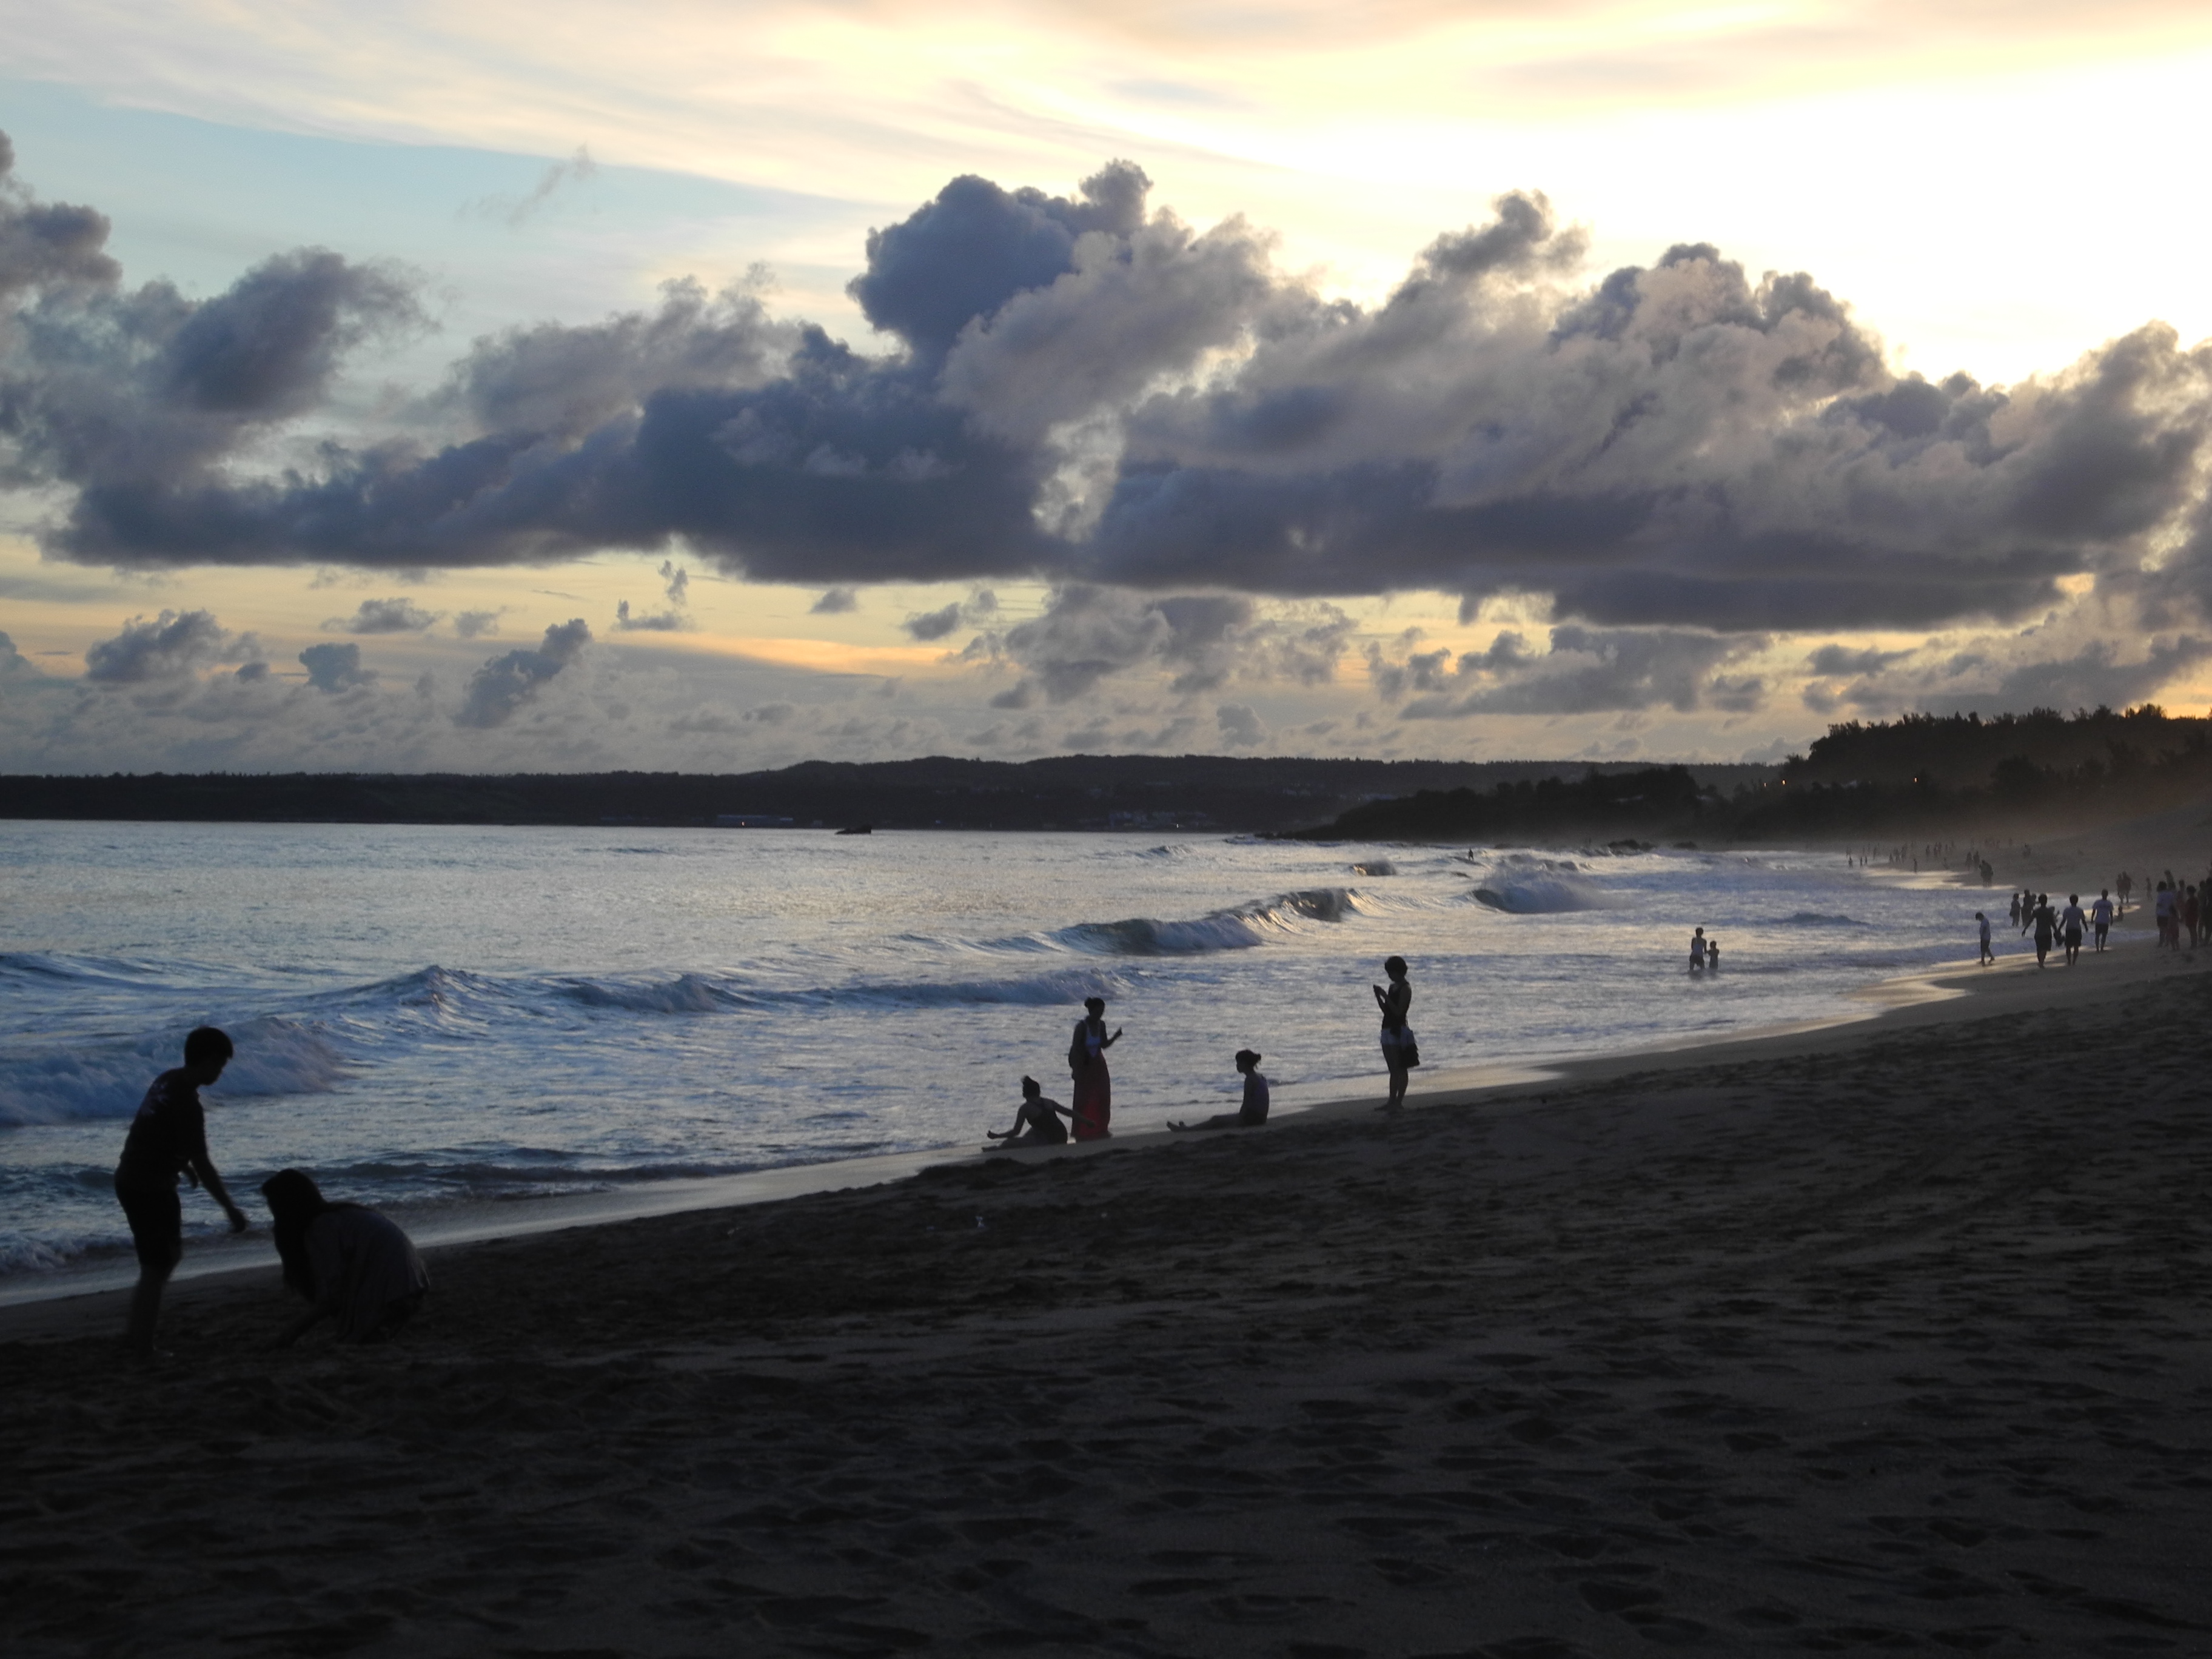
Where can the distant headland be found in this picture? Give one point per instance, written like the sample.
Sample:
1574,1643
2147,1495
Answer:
1921,774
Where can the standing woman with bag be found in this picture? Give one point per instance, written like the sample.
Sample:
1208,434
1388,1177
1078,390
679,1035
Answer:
1400,1052
1086,1063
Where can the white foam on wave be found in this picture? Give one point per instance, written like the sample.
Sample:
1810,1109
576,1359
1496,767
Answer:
1240,928
1544,895
276,1056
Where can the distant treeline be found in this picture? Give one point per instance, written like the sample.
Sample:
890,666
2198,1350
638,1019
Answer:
1071,792
1921,774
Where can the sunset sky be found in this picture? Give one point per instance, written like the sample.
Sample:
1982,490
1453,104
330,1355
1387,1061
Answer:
705,387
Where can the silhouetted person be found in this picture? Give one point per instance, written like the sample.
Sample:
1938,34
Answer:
1087,1064
1698,951
1254,1113
2126,885
1712,955
352,1265
1036,1120
167,1138
2046,922
1988,955
2100,916
1400,1053
2071,922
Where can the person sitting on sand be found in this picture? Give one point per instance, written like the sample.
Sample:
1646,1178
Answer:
2100,916
2071,922
1254,1113
1036,1120
167,1138
1988,955
352,1264
1087,1064
1698,951
1400,1053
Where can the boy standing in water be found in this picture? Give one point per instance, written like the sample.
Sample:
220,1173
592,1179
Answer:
168,1138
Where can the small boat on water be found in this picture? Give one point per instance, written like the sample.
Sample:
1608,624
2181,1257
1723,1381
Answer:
858,829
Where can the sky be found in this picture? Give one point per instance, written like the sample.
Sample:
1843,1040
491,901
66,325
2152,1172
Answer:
489,387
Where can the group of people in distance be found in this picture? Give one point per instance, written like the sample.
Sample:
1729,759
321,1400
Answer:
2033,913
1037,1118
2178,910
349,1263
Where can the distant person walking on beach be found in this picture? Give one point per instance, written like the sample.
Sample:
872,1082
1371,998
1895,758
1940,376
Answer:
1253,1113
1036,1120
1698,951
2100,916
167,1138
2162,913
2071,921
1988,955
2047,927
1086,1063
1400,1053
353,1265
2125,886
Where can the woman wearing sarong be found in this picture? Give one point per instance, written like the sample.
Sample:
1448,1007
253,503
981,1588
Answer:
1086,1064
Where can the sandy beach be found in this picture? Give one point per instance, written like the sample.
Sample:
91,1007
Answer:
1889,1336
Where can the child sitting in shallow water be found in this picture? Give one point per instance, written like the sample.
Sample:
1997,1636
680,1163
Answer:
1253,1112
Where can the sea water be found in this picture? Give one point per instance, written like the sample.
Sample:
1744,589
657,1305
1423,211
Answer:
429,1014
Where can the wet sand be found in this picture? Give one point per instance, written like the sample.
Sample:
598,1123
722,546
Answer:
1890,1336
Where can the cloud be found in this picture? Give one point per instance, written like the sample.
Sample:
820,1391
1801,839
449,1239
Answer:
577,171
1239,727
471,623
334,668
935,624
660,622
397,616
835,602
505,683
1591,670
14,665
1082,389
176,643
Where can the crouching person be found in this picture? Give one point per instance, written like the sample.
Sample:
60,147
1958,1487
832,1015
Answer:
352,1264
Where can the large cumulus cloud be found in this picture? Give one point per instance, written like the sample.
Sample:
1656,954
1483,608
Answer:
1086,390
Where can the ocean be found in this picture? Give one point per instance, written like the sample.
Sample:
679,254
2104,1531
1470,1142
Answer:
428,1015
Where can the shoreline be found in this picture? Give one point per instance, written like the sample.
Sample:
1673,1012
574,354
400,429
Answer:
42,1305
1889,1335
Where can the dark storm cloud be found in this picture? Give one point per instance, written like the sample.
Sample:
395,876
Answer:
505,683
1088,391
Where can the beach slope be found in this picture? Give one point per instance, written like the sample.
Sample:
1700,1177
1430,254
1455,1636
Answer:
1897,1340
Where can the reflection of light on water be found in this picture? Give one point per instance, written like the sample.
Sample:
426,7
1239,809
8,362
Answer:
432,1017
